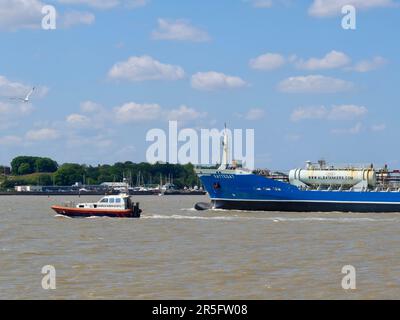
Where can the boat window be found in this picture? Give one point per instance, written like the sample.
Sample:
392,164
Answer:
104,200
111,200
118,200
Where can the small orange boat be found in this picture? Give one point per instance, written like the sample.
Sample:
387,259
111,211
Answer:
117,206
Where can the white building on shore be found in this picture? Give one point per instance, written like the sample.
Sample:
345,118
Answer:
28,188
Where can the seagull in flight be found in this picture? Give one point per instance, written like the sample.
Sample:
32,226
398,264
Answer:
26,99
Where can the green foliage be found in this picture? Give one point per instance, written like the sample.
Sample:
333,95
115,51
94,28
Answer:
43,179
70,173
8,184
24,168
26,165
182,175
45,165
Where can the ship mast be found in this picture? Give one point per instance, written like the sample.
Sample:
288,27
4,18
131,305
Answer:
225,150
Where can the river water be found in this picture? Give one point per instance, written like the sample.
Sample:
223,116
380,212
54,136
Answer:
174,252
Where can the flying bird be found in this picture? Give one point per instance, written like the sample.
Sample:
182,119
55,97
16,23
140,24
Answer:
26,99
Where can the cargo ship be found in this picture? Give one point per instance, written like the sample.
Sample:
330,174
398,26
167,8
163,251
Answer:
318,187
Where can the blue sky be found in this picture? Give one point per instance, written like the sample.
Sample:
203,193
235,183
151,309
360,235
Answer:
114,69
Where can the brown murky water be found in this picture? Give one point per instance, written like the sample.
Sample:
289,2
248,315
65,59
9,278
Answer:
174,252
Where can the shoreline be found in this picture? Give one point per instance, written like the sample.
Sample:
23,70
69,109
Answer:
135,193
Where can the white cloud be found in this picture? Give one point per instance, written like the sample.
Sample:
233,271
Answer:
212,80
11,89
252,114
293,137
98,4
107,4
268,61
42,134
72,18
340,112
314,84
10,140
136,3
97,141
14,110
27,14
378,127
135,112
267,4
331,60
4,107
20,14
261,3
346,112
78,120
11,113
90,107
255,114
328,8
184,113
94,117
304,113
353,130
180,30
145,68
369,65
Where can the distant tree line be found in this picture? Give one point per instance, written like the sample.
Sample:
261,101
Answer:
45,171
134,173
26,165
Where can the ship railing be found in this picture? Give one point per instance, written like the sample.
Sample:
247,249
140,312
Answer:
206,166
342,166
352,189
69,204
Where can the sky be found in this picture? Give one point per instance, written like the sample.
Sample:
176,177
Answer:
112,70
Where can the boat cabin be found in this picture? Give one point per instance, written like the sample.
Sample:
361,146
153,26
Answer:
114,202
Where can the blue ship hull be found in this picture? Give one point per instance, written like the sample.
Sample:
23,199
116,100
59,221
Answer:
254,192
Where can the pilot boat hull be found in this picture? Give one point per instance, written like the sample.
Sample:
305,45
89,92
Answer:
86,212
